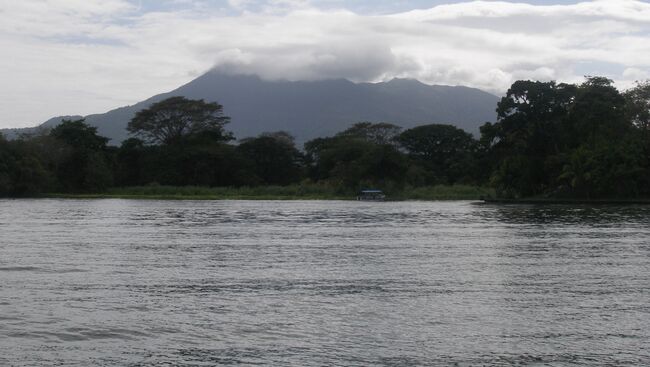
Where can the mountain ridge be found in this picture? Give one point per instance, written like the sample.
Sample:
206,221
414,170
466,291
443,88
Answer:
310,109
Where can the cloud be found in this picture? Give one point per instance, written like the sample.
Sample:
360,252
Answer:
87,56
636,74
357,63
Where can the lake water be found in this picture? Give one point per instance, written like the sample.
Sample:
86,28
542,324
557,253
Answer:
322,283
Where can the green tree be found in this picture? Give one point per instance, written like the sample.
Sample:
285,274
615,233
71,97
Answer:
530,132
85,166
130,163
638,112
606,171
6,184
172,119
211,165
274,157
445,150
637,102
531,115
21,172
79,135
598,114
382,133
352,163
638,105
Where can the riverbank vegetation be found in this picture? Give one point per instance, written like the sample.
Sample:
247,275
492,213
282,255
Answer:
550,140
303,191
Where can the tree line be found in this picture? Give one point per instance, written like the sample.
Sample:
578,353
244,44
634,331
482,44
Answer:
559,140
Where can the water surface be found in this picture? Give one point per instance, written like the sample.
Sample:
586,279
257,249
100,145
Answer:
196,283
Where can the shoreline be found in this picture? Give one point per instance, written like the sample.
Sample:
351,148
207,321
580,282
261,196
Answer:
567,201
190,197
326,197
289,193
225,198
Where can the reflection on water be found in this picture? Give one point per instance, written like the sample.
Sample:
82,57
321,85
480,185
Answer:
158,283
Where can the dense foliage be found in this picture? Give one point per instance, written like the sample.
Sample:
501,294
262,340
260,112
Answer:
559,140
549,139
172,119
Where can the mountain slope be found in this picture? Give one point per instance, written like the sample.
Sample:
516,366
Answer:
18,132
318,108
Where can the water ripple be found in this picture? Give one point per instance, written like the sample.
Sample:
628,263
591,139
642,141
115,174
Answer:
195,283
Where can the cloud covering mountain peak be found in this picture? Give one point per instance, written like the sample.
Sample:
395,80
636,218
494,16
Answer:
77,57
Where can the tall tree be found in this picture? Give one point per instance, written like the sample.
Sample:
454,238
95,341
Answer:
274,157
85,166
530,129
598,113
79,135
352,162
638,105
169,121
445,150
377,133
129,168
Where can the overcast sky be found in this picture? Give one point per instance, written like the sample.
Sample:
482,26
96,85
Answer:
88,56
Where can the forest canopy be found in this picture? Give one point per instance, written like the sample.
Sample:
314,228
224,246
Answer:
551,140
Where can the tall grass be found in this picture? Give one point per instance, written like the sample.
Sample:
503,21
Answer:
309,191
445,192
305,191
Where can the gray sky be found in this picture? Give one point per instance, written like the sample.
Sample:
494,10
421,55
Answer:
88,56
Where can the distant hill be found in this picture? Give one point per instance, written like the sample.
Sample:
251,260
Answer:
16,133
310,109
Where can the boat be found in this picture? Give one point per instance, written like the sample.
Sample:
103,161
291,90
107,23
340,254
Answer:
371,195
